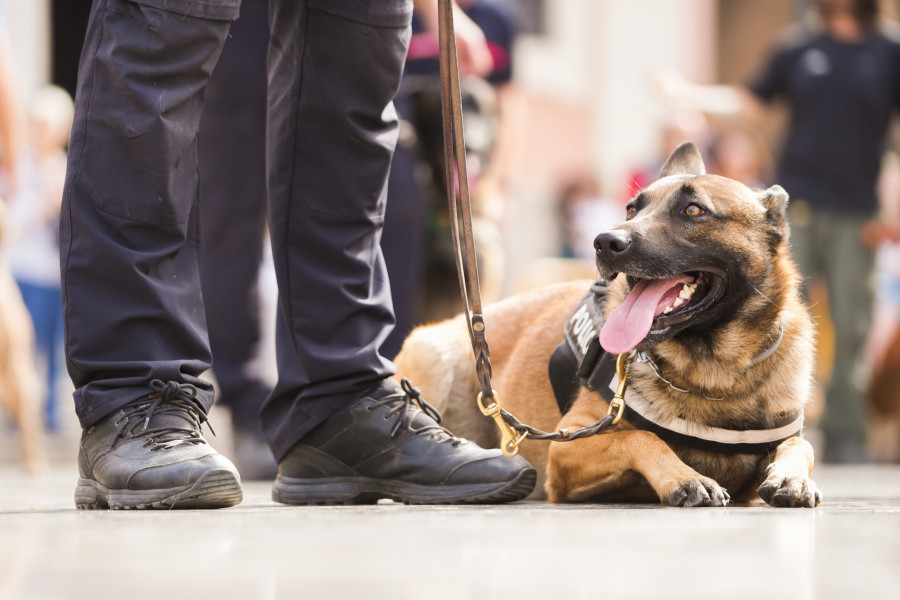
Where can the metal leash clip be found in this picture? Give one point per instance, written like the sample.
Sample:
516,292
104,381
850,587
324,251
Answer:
509,437
617,404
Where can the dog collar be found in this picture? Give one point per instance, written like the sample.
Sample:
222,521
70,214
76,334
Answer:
644,358
676,430
580,360
771,349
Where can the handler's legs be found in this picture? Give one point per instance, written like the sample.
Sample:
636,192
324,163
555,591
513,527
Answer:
341,431
333,69
136,341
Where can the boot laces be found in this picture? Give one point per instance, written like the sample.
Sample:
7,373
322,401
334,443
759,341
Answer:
173,410
402,403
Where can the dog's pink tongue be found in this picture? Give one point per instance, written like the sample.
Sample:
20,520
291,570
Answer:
629,324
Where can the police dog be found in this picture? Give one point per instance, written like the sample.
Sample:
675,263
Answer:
703,302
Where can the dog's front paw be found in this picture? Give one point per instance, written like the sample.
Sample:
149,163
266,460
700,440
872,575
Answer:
790,490
696,491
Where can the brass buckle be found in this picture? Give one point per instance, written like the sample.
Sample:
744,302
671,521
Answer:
509,439
617,404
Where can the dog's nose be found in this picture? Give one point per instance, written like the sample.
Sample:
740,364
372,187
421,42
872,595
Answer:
613,243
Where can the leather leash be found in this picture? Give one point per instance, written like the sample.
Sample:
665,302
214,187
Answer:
512,431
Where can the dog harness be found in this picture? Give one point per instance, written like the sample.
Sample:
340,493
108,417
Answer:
579,360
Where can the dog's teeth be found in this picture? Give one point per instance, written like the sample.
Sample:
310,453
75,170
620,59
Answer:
678,302
687,291
668,310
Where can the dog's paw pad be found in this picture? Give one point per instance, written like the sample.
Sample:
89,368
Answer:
699,491
790,491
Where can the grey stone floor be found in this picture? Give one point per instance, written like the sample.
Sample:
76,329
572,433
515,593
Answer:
849,547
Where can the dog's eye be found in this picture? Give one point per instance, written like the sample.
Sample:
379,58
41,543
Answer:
630,212
692,210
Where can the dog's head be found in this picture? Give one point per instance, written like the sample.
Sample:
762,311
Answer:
693,250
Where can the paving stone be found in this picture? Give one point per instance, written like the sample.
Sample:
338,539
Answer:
849,547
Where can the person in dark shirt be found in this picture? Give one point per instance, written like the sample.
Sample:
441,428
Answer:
839,73
842,92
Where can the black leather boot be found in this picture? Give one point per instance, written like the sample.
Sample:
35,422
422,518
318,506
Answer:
389,444
151,454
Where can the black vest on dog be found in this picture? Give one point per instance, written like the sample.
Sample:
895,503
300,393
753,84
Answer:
579,359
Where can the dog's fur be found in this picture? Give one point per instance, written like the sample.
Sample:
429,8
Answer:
707,349
19,383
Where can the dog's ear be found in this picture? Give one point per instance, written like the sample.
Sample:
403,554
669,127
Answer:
684,160
775,201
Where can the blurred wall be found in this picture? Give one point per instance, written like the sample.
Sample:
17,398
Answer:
584,82
28,22
595,55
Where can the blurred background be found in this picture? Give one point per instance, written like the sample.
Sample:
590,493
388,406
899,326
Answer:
568,127
580,73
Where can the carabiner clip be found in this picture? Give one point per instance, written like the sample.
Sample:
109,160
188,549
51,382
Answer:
509,440
617,404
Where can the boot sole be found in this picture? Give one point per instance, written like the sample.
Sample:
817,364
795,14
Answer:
214,489
363,490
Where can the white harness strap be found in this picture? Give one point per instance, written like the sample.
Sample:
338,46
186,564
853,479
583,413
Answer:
716,435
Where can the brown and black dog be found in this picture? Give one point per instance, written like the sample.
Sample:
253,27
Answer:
703,300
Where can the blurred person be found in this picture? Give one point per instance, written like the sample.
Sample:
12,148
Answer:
233,225
740,155
19,382
584,212
683,125
340,428
32,232
884,236
839,72
883,344
12,130
416,242
886,239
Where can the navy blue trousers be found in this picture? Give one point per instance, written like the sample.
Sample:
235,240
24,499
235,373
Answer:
130,232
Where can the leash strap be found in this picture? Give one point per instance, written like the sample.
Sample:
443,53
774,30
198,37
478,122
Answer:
512,431
457,185
456,181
